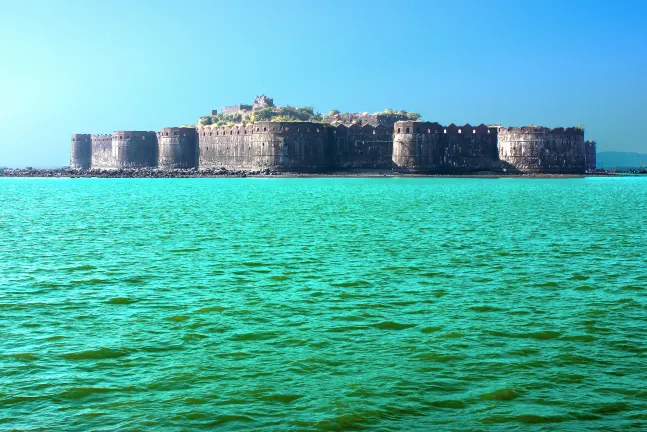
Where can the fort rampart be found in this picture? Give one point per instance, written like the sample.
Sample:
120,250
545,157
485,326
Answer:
102,152
535,149
361,147
177,148
283,146
407,146
81,153
431,147
590,155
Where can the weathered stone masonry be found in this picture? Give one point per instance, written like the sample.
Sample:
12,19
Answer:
407,146
430,147
543,150
81,154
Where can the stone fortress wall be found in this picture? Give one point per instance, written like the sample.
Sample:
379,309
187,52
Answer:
177,148
408,146
430,147
590,157
361,147
101,154
543,150
285,146
359,141
80,155
134,149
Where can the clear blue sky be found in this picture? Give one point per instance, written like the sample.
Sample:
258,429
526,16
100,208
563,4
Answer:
73,66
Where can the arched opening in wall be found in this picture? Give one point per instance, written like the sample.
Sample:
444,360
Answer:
444,130
231,132
317,130
373,132
264,129
488,131
263,145
428,130
398,130
474,131
73,139
143,138
237,132
407,131
460,131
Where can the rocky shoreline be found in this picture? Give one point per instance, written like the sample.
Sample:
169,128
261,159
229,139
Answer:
222,172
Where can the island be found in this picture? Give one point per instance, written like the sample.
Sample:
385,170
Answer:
262,138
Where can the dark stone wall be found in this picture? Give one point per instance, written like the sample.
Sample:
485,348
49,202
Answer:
430,147
229,148
313,147
543,150
361,147
134,149
281,146
177,148
590,155
102,157
81,152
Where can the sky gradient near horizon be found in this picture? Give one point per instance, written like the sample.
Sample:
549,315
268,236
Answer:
78,66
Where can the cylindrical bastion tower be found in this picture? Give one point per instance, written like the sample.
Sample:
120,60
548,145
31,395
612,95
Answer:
430,147
535,149
417,146
81,154
590,155
177,148
134,149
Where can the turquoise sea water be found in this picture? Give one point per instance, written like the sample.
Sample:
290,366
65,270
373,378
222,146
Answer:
323,304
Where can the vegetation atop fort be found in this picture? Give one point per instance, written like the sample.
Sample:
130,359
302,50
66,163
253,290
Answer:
386,117
279,114
263,109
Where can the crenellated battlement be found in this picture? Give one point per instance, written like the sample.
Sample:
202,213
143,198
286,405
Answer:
541,130
413,127
542,149
177,148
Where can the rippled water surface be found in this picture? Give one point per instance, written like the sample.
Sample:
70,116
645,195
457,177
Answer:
323,304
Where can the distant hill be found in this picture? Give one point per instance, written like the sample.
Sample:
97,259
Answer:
610,159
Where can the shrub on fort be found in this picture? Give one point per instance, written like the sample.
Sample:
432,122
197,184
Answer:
410,115
286,113
333,112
